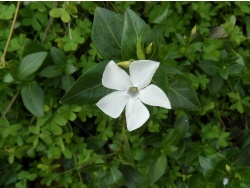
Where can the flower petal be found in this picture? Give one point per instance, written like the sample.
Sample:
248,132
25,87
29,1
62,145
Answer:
115,78
142,72
113,103
136,114
154,96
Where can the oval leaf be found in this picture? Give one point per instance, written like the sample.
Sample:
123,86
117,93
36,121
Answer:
30,64
88,88
134,28
183,96
107,33
33,98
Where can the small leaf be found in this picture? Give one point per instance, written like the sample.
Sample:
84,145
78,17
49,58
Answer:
33,98
30,64
56,12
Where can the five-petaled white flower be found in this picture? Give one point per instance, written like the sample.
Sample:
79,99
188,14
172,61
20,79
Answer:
131,92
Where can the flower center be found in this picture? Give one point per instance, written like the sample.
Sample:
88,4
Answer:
133,92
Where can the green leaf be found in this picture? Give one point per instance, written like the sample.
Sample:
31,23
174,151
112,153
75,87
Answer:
65,17
51,71
158,167
7,11
209,66
56,12
127,150
215,84
33,98
173,137
134,28
58,56
111,177
133,179
107,33
30,64
183,96
159,13
67,82
88,89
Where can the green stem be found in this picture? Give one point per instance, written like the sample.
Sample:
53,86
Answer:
10,104
2,63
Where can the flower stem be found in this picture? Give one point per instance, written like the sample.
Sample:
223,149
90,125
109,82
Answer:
2,63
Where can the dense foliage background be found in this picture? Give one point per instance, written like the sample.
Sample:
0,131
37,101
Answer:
49,139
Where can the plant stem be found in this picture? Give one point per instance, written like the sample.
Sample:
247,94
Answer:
2,63
9,105
49,24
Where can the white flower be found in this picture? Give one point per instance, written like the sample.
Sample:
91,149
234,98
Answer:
131,92
225,181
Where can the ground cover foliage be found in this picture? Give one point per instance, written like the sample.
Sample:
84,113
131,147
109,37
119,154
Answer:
52,58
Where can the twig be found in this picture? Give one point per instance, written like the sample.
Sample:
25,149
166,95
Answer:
2,63
10,104
49,24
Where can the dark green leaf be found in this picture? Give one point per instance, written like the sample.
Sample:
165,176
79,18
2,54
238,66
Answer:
30,64
107,33
183,96
88,88
111,177
173,137
58,56
133,178
158,167
215,84
51,71
134,28
159,14
33,98
127,150
209,66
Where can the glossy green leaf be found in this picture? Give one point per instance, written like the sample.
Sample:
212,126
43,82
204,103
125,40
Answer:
111,177
133,179
58,56
182,96
134,28
33,98
173,137
215,84
158,167
88,88
210,67
159,14
30,64
51,71
127,150
107,33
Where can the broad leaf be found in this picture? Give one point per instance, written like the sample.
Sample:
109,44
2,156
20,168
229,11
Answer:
158,167
134,28
183,96
33,98
133,178
107,33
215,84
88,89
209,66
154,165
111,177
173,138
30,64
